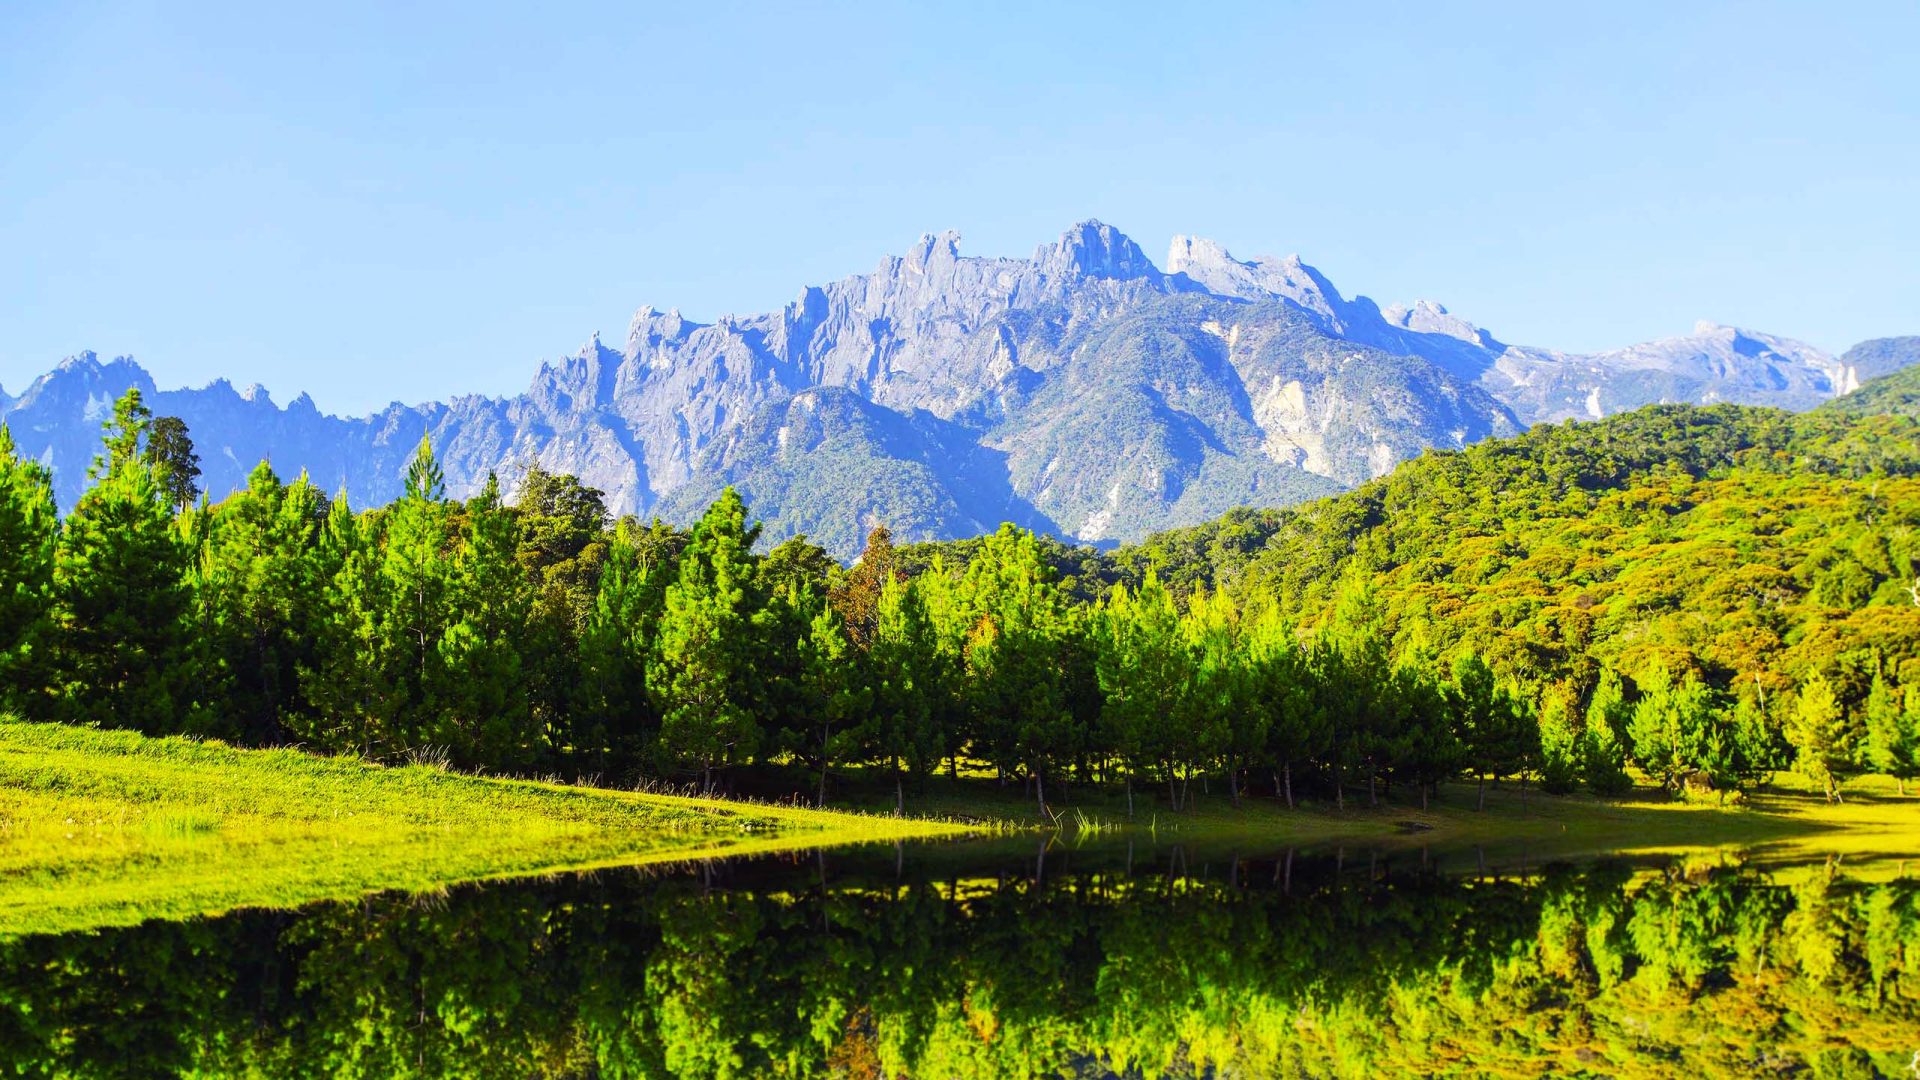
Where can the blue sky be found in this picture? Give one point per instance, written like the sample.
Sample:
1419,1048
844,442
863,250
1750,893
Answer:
375,204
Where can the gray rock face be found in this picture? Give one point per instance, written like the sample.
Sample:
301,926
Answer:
1082,390
1714,363
1880,356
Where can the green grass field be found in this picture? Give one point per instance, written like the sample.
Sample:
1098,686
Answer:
103,828
1784,820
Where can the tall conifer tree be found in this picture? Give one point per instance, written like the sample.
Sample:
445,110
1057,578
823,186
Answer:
121,593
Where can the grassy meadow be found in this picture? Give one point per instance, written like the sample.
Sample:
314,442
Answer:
102,828
1786,820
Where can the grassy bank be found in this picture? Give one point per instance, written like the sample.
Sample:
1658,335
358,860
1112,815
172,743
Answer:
102,828
1786,819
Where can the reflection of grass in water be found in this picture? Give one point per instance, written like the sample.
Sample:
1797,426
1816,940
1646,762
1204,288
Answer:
108,827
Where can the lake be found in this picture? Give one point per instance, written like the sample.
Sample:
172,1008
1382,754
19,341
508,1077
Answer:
1018,957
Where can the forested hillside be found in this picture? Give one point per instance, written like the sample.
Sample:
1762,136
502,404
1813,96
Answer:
1738,542
1710,594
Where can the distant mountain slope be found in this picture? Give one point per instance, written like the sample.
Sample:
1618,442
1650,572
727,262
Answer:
1881,356
1083,390
1898,394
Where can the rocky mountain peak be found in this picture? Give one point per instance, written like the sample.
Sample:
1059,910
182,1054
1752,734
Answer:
944,393
933,250
1097,250
652,328
1429,317
1211,266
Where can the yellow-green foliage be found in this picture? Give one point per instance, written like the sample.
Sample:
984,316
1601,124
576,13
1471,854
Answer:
1750,545
110,827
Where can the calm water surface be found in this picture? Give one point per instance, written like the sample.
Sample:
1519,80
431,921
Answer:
1011,959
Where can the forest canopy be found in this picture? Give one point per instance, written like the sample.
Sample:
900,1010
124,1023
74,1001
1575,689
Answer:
1709,594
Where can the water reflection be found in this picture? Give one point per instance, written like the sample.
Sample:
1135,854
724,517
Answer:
1009,961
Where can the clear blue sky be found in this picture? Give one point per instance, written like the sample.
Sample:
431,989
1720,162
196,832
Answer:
374,204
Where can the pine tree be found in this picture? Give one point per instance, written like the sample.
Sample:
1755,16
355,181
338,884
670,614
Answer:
836,689
121,597
1562,732
256,593
1673,729
175,465
352,680
29,529
615,721
1816,731
1283,689
1603,754
1906,761
703,678
1353,668
415,577
425,482
910,680
1497,732
1145,671
1888,746
1023,698
1220,726
482,712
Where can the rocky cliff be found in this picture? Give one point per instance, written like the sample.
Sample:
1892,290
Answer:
1083,390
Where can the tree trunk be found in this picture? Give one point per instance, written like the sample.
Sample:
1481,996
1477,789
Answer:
1287,772
1483,792
1233,784
899,791
1423,794
1040,792
820,797
1129,796
1373,775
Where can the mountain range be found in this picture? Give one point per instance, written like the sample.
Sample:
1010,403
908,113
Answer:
1083,391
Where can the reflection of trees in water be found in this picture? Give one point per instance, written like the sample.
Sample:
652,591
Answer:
1243,967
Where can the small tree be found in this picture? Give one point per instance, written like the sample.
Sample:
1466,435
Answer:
29,526
120,593
1497,731
1891,745
704,675
1562,739
1673,729
1144,670
909,681
1818,737
1603,755
176,468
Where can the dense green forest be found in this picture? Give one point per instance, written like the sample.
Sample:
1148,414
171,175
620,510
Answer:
1709,594
1274,965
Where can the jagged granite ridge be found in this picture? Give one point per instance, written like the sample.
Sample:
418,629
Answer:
1084,391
